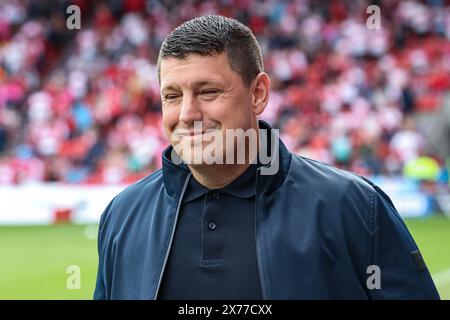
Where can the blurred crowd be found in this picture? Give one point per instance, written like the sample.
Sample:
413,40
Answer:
83,106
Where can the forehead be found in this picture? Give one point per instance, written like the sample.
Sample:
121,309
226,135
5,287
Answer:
196,70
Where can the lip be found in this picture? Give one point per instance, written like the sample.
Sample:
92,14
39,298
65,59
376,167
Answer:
191,134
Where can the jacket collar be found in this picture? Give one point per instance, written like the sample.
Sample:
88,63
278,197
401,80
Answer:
174,175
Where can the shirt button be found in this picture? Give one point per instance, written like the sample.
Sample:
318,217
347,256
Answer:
216,196
211,226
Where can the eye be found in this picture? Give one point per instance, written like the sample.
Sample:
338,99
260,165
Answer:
171,97
209,92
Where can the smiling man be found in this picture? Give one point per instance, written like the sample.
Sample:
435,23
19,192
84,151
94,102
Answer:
211,94
213,226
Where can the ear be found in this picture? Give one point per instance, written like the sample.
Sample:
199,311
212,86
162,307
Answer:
260,88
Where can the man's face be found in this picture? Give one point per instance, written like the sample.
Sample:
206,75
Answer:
206,89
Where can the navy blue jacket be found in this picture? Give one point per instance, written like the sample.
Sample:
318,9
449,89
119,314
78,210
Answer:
318,230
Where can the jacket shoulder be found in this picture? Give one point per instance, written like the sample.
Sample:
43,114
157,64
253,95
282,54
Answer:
133,195
344,191
330,178
141,188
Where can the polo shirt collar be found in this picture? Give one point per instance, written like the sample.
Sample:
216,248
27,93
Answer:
242,187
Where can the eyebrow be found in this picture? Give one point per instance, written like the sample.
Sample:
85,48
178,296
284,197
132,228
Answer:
195,84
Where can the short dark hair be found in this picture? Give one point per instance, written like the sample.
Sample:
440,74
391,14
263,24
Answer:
212,34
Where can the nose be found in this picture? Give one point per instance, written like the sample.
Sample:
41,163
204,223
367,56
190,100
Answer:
190,110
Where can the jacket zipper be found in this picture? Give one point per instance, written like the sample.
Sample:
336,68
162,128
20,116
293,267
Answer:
258,247
171,235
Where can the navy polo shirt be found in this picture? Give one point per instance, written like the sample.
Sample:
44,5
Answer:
213,254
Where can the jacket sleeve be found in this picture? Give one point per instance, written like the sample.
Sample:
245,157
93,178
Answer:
101,288
403,272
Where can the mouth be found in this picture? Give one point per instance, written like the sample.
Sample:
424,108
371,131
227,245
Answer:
191,134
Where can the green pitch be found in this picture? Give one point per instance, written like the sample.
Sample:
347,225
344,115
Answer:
432,235
34,261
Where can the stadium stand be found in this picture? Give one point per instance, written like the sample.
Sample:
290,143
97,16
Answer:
83,106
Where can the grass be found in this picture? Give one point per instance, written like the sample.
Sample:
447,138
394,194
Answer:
432,235
34,262
34,259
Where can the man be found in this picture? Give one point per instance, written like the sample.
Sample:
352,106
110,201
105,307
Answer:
271,226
